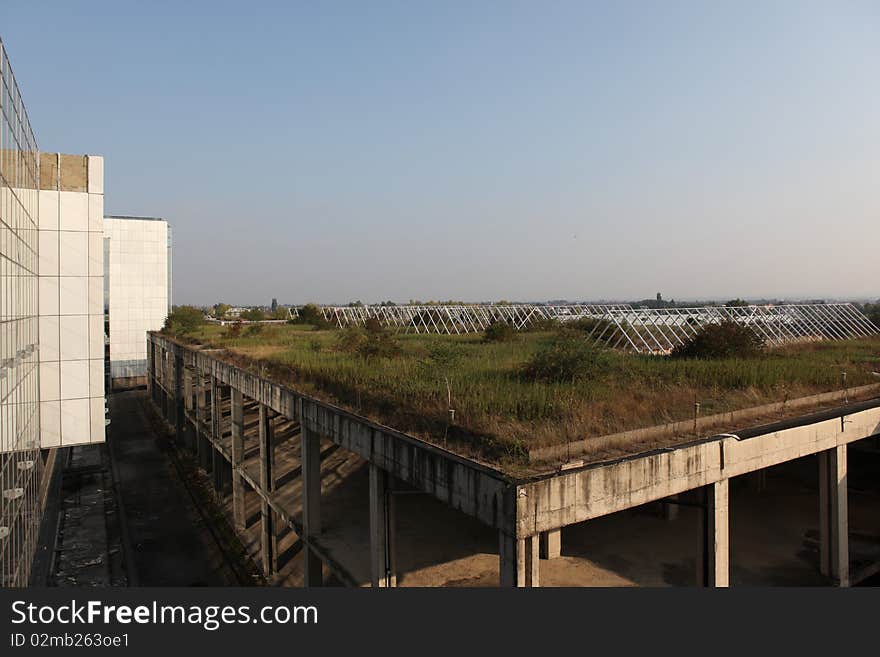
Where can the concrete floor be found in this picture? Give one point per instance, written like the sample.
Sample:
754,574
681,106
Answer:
170,544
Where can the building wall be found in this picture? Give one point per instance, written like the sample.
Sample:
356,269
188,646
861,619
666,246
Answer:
71,267
20,463
138,281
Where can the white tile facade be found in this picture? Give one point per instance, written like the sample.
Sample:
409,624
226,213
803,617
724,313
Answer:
139,289
71,275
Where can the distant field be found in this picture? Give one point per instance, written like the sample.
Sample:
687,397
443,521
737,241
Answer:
499,413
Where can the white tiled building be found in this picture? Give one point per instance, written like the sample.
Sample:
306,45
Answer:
138,271
71,306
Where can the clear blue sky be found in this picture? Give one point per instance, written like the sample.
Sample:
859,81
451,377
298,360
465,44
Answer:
478,150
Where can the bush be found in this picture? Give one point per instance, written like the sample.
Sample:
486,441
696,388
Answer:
184,320
542,325
253,329
253,315
568,358
499,332
310,314
724,340
373,325
595,327
368,344
233,330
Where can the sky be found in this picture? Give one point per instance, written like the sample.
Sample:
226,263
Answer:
340,151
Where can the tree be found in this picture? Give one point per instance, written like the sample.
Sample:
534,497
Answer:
311,314
220,309
736,303
184,320
253,315
723,340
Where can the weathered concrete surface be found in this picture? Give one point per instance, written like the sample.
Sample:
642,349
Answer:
516,510
466,485
593,491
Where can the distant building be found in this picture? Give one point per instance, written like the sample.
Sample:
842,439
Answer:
274,305
137,278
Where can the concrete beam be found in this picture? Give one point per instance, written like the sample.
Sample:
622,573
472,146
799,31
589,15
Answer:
713,557
473,488
551,544
596,490
519,561
268,529
310,460
383,567
833,515
238,490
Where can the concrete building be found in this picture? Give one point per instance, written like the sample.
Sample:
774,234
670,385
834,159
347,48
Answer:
71,271
138,283
53,239
20,462
306,476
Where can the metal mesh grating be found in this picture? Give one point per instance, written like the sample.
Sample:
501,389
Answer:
20,464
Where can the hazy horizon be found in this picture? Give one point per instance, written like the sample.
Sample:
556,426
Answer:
517,151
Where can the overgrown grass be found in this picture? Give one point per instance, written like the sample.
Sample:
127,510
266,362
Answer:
500,411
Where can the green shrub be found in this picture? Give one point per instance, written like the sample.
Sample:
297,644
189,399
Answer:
233,330
253,315
569,358
373,325
253,329
723,340
311,314
183,320
499,331
368,344
542,325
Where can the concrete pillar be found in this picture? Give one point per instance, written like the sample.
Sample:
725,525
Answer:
713,554
179,399
268,535
551,543
519,560
200,409
217,470
151,370
833,516
238,491
311,475
383,567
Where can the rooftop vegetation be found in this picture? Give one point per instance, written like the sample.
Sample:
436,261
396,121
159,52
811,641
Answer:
494,398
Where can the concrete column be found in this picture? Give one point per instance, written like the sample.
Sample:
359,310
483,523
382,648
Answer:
151,369
519,562
217,470
238,490
833,516
383,567
311,474
268,535
201,412
551,543
179,399
713,554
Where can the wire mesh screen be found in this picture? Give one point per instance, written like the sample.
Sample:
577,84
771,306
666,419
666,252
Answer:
640,330
458,319
661,331
20,464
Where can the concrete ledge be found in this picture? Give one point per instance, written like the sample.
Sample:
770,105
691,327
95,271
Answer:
624,438
471,487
